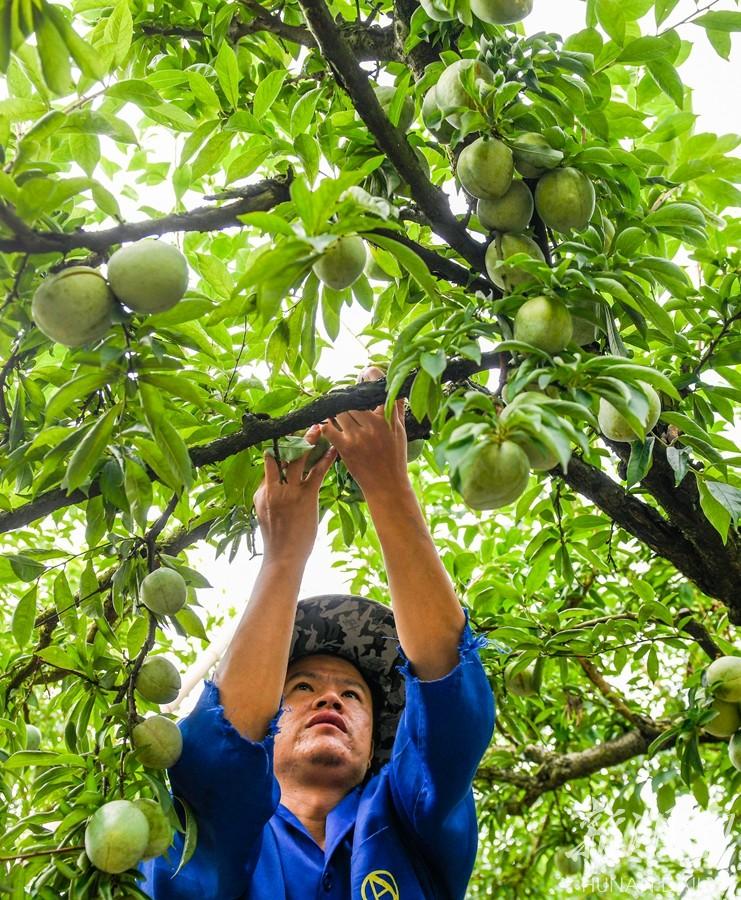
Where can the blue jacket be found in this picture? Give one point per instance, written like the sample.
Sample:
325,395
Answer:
408,832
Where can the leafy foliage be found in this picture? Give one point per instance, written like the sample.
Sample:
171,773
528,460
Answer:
230,126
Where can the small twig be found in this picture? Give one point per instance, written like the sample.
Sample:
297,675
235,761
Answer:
49,852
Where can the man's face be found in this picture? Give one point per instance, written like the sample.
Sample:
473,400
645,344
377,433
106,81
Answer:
327,725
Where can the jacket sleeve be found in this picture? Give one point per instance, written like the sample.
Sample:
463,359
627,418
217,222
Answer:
443,733
228,782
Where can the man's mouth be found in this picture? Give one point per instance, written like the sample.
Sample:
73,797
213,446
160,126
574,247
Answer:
328,718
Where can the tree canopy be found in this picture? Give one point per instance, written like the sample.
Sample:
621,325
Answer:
309,158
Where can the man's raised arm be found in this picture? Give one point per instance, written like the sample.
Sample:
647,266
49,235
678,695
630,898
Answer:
429,618
251,674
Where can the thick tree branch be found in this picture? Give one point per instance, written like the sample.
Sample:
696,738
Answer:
368,42
390,140
556,769
255,198
258,430
664,538
721,562
636,517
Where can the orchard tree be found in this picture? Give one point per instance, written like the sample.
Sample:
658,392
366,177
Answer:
194,196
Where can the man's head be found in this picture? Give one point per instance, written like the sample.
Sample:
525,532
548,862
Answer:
326,730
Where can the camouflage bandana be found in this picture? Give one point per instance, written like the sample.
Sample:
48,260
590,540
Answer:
361,631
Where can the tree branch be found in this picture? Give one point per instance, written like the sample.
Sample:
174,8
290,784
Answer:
556,769
614,697
255,198
390,140
368,42
717,565
713,575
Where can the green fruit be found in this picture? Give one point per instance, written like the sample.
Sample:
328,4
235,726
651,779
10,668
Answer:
485,168
437,10
33,737
443,131
616,428
501,12
149,276
504,246
158,742
342,263
545,323
524,683
414,450
316,453
565,199
494,475
534,155
449,90
116,836
728,720
569,862
160,830
73,307
385,94
512,212
734,750
158,680
164,591
724,678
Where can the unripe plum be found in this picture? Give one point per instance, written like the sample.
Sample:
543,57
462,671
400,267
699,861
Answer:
149,276
73,307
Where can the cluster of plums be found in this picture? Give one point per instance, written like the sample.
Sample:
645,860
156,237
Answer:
76,306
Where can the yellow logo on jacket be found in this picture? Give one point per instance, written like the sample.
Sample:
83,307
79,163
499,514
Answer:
379,885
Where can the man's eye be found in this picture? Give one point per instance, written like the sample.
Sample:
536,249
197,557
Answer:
354,694
302,684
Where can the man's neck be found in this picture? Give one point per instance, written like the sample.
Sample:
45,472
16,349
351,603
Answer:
312,805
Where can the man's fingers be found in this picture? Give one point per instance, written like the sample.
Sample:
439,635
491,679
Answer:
371,373
321,467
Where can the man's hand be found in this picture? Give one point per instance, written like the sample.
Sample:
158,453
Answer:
288,511
374,450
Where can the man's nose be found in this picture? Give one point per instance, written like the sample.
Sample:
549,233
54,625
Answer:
329,698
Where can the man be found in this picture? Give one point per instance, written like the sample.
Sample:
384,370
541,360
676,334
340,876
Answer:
293,794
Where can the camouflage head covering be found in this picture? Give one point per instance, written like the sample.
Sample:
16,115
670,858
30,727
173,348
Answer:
361,631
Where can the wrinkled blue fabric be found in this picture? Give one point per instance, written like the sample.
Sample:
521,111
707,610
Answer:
407,833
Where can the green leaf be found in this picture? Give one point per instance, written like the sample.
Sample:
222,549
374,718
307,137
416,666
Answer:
118,33
267,91
211,154
720,21
24,616
720,41
64,602
610,17
60,659
175,451
715,512
43,758
679,459
90,449
641,457
53,54
414,264
667,78
89,61
138,488
191,834
728,496
190,623
227,71
177,385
